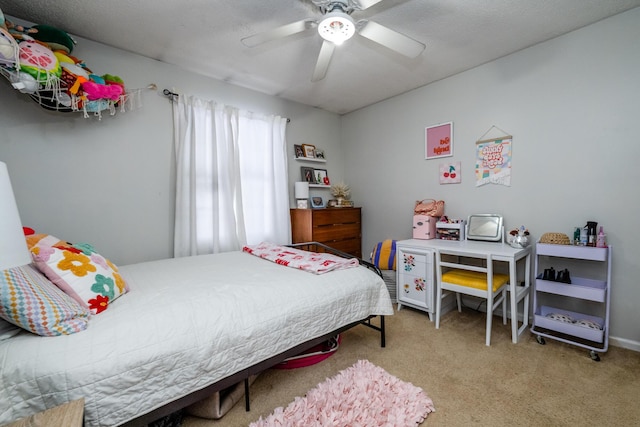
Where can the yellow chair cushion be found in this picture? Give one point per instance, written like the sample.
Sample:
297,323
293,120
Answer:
474,279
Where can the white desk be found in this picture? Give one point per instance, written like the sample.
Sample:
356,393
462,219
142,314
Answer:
498,252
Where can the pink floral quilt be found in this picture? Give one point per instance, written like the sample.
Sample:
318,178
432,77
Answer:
313,262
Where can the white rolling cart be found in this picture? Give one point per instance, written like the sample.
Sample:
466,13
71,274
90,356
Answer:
578,312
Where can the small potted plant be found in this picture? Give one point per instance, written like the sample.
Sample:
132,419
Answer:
341,192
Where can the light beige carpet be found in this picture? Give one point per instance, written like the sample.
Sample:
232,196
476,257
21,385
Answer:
506,384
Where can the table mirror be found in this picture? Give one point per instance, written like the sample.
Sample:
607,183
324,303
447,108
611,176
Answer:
486,227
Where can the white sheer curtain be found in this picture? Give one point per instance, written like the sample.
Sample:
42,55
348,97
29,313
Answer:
231,178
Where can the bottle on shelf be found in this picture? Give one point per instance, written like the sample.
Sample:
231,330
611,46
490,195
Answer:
591,232
601,241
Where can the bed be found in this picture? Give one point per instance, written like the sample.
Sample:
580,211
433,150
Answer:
187,328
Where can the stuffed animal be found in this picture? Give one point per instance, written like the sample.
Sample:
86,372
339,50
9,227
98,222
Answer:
97,106
8,48
46,66
38,61
3,25
96,91
63,57
113,80
24,82
72,77
18,32
53,37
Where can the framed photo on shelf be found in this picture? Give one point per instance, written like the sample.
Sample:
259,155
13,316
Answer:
308,174
319,154
321,176
438,141
317,202
298,150
309,150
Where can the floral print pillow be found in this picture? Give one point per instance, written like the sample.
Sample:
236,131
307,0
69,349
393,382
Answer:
81,273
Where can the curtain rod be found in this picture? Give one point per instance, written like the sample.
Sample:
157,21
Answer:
173,95
169,94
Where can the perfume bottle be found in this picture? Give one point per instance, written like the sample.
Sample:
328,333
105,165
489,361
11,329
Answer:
601,241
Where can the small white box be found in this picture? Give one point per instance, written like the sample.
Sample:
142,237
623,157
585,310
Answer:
450,230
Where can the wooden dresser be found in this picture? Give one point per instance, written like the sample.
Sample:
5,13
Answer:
339,228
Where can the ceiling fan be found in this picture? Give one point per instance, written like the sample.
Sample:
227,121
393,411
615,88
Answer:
336,26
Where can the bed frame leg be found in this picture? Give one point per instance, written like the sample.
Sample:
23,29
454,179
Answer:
381,329
246,395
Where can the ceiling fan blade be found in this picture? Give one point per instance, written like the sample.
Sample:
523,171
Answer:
391,39
279,32
364,4
324,58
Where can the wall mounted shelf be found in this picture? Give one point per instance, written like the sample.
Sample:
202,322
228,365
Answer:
310,159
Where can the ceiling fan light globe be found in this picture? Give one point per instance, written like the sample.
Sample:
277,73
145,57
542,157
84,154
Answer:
336,27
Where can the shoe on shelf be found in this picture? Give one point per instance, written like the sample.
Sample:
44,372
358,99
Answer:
549,274
564,276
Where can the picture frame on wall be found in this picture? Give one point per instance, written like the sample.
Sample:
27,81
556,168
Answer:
309,150
317,202
321,176
438,141
308,174
450,173
298,150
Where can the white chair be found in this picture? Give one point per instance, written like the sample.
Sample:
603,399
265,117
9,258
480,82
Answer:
472,280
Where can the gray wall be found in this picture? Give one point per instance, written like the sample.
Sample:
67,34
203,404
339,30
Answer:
111,182
571,105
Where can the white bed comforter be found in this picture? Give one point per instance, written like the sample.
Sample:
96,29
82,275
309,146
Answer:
185,324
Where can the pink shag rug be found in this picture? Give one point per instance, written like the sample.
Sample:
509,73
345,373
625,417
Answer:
363,395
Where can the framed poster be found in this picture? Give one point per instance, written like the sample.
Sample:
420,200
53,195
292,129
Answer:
493,161
450,173
438,141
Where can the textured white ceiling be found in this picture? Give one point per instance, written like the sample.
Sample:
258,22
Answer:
204,36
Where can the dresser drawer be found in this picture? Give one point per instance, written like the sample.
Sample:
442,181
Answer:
327,217
325,233
339,228
351,246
